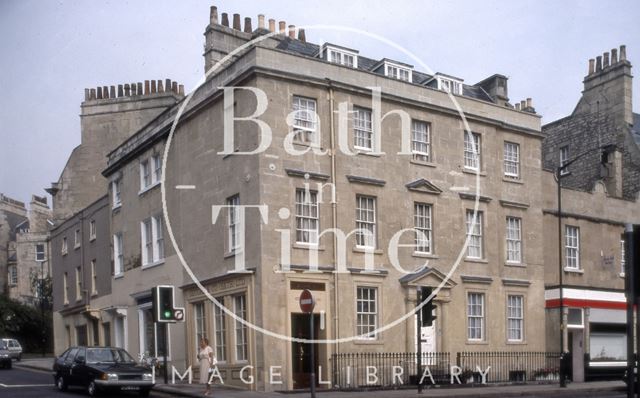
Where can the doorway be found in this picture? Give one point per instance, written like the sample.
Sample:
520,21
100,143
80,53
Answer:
301,352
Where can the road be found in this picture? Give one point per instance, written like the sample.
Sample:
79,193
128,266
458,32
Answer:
27,383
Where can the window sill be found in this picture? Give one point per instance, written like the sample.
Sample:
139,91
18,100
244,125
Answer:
149,188
513,180
573,271
476,260
474,172
515,265
621,275
308,246
477,342
76,247
118,276
421,163
368,342
94,294
64,253
92,239
232,254
425,255
367,152
152,265
366,250
518,342
116,206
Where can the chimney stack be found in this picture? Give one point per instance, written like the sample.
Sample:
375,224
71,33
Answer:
134,89
139,88
272,25
529,103
225,19
86,94
213,15
121,91
292,31
598,63
283,26
236,22
260,21
112,92
147,87
517,106
623,53
247,25
153,86
301,35
614,56
99,93
105,92
592,66
523,104
605,62
160,88
92,94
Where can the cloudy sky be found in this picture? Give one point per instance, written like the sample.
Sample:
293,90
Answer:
51,50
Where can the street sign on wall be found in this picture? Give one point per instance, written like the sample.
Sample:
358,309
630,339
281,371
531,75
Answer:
306,301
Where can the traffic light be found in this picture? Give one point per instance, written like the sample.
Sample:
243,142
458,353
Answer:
164,310
428,308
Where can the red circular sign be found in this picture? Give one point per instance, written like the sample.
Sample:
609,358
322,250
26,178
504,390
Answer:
306,301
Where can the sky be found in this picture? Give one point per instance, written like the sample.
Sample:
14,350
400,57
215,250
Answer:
51,51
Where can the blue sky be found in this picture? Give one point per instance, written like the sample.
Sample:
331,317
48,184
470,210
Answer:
52,50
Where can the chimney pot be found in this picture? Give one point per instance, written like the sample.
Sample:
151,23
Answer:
517,106
127,90
247,25
605,61
623,53
105,92
292,31
92,94
160,88
592,66
174,87
614,56
86,94
529,103
153,86
99,93
139,84
301,35
147,88
120,91
213,15
167,85
260,21
272,25
225,19
236,22
598,63
112,92
134,89
282,25
523,104
181,89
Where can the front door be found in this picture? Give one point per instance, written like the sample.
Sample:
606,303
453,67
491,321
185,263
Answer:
301,352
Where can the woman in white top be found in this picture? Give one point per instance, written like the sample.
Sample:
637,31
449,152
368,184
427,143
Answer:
206,359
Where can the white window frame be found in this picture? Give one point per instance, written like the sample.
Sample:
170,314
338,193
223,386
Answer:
92,230
307,217
145,175
118,254
421,141
199,321
515,317
476,311
157,168
564,158
397,71
65,246
94,278
116,187
234,224
78,283
513,240
77,241
366,220
220,324
423,224
241,336
340,56
476,239
41,255
65,288
13,275
367,312
623,260
572,247
446,84
305,120
152,241
364,138
512,160
472,151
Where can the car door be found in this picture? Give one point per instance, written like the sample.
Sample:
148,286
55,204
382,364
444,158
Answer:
79,368
63,364
12,348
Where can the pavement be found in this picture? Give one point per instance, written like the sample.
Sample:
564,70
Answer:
593,389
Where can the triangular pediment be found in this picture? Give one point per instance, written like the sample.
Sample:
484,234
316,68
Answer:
428,277
424,186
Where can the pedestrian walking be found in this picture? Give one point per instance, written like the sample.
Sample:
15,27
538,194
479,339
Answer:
207,361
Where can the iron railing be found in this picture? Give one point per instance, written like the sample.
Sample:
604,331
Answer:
509,367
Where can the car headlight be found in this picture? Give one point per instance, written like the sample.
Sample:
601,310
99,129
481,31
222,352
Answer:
147,377
109,376
4,355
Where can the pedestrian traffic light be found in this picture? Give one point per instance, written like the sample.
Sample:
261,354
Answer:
164,309
428,307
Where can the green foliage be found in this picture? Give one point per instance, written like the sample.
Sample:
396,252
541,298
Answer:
25,323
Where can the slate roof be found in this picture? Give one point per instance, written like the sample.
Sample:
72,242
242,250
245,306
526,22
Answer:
368,64
636,127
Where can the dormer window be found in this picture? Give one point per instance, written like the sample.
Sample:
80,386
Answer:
340,55
396,71
450,85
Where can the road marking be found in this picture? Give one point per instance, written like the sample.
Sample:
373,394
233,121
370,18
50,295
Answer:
185,187
25,385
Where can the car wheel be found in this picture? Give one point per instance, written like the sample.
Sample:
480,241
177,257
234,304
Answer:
92,389
61,383
145,392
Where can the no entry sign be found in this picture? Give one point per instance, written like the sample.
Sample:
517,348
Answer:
306,301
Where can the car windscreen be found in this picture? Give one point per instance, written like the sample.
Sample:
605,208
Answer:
100,355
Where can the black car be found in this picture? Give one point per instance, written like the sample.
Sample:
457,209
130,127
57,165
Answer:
5,356
101,369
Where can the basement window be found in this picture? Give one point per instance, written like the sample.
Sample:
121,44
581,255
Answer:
340,55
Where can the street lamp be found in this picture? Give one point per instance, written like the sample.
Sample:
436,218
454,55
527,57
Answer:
561,167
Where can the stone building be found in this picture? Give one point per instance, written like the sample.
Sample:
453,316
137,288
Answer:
24,253
599,195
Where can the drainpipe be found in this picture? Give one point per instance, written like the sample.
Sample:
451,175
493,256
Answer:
334,216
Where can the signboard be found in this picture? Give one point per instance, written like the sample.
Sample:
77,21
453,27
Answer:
306,301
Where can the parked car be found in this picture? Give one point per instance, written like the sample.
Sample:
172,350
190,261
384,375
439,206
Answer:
5,355
99,369
14,348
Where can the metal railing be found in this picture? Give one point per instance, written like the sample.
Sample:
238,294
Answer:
509,367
